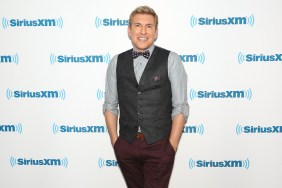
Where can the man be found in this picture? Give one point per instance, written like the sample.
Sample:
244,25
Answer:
149,85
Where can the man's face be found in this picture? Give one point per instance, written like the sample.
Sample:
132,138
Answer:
142,31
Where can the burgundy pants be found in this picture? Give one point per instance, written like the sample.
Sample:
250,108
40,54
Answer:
145,165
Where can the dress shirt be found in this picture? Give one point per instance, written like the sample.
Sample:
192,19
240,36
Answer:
176,75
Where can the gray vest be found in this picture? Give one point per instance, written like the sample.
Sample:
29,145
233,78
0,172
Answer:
147,104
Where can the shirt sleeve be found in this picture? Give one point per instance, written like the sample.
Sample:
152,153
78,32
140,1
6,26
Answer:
111,94
178,79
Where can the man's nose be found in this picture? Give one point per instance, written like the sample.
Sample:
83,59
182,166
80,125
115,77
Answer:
143,30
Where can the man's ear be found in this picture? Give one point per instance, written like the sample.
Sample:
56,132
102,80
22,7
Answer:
157,33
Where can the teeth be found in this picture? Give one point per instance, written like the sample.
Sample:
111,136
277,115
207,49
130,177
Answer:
142,38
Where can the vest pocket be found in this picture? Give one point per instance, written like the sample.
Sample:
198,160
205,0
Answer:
161,122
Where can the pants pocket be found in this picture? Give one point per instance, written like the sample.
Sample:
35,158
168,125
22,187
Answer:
116,143
169,148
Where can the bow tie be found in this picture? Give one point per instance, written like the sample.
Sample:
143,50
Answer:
145,54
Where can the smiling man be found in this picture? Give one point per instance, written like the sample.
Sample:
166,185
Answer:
146,89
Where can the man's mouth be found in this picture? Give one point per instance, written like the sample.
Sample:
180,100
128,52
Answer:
143,38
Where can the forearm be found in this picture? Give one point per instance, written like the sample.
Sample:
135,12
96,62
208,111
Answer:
111,122
178,123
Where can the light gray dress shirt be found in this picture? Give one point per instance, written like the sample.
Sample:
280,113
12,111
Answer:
176,75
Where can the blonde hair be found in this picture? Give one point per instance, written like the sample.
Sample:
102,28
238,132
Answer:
144,10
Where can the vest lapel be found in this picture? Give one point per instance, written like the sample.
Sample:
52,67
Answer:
146,73
130,66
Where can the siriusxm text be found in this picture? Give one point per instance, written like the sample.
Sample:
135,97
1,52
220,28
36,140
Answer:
45,162
7,128
85,129
189,129
188,58
115,22
261,57
6,59
36,94
224,94
80,59
226,164
261,129
223,21
112,163
32,23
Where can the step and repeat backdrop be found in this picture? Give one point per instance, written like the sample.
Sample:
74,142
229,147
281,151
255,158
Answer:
53,61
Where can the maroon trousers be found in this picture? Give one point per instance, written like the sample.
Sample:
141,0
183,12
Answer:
145,165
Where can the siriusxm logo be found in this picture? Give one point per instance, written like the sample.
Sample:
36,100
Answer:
100,94
107,163
248,129
9,59
78,129
196,58
254,58
247,20
59,94
80,59
17,128
244,94
219,164
194,129
109,22
32,23
38,162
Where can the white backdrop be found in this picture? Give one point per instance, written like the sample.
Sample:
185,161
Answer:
52,131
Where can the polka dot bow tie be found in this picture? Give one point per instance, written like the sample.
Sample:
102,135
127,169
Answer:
145,54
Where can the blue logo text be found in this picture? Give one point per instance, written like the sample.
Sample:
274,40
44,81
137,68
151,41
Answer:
196,58
60,94
248,129
254,58
38,162
106,22
78,129
220,94
219,164
107,163
12,128
80,59
248,20
32,23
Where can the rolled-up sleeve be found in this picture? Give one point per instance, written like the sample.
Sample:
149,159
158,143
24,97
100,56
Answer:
178,79
111,94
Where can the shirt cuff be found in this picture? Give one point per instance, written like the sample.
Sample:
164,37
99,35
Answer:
110,108
181,109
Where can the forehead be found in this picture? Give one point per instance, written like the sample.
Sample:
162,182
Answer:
143,19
